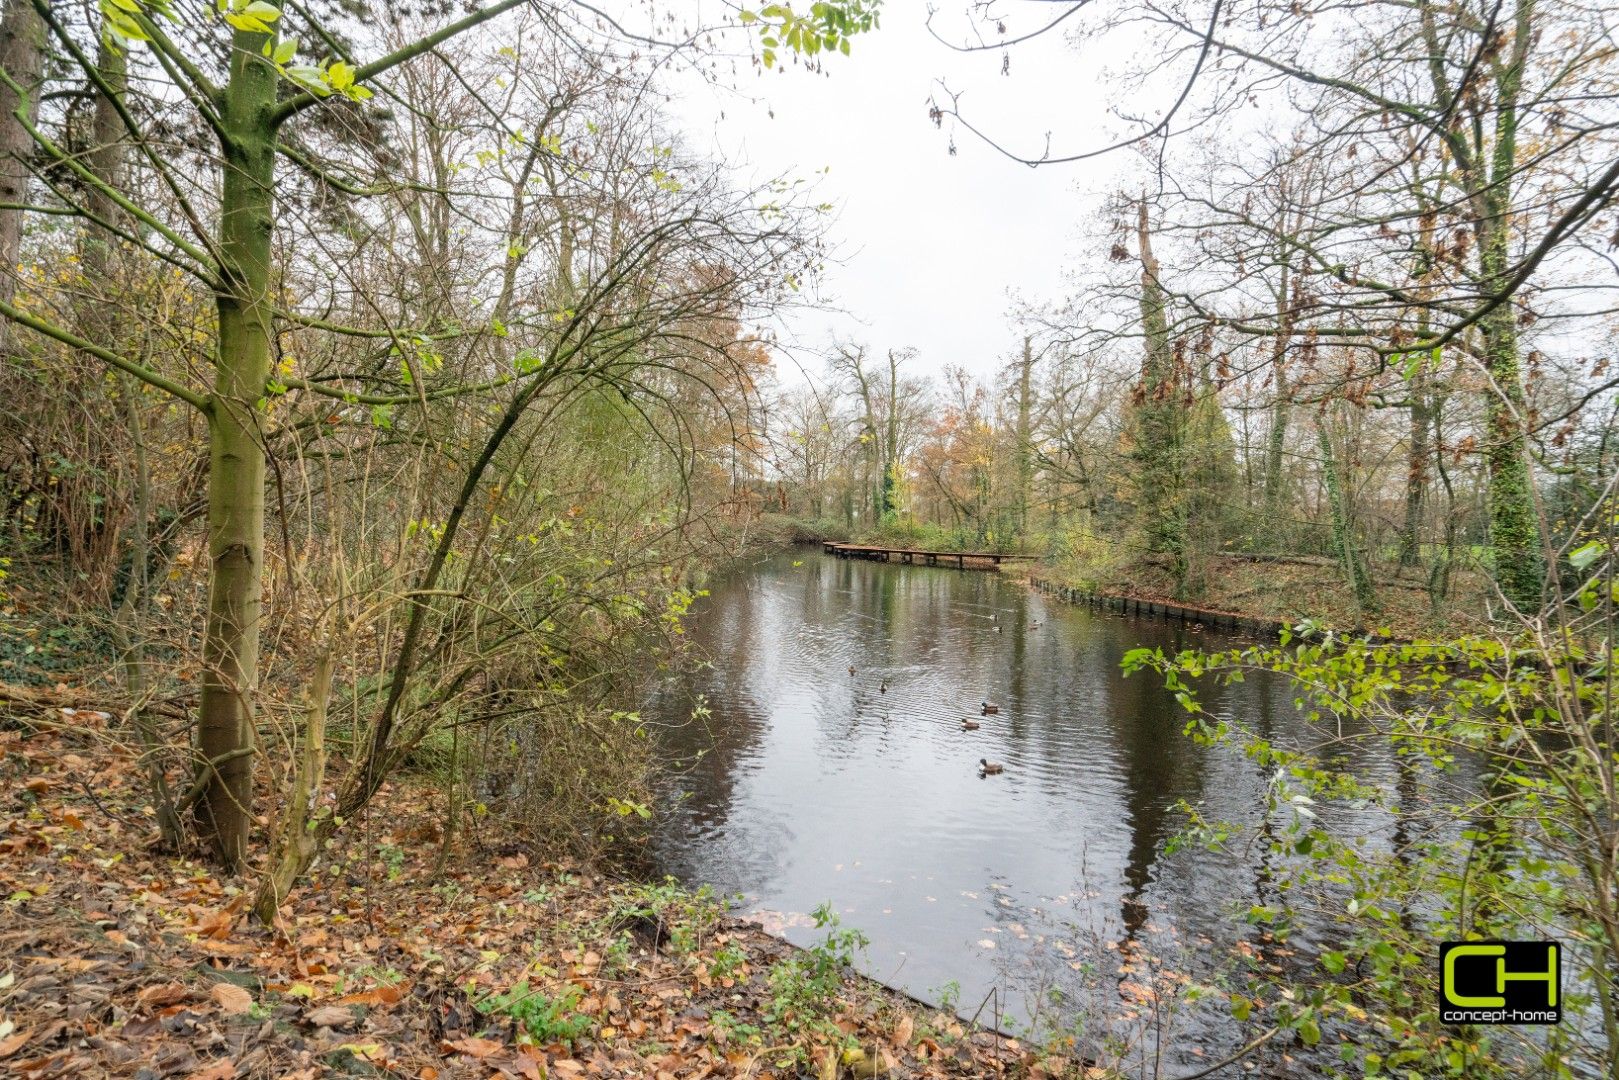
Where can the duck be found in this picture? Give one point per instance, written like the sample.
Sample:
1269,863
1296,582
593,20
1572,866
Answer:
997,628
969,725
1034,626
883,689
990,768
851,671
990,708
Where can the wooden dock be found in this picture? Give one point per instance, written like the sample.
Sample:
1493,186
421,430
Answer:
961,560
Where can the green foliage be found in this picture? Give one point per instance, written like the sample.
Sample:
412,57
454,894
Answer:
726,961
806,985
542,1017
122,21
1504,766
925,536
393,859
689,916
829,25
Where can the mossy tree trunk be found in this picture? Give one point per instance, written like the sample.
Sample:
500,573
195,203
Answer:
1159,423
1343,529
22,53
1516,542
1488,165
225,730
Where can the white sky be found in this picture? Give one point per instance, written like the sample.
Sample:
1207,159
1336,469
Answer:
931,246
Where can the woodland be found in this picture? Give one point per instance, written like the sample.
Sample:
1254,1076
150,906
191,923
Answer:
381,387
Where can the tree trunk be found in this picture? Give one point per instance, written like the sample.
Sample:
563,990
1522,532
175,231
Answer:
1275,528
1516,542
1416,476
1343,533
1160,427
236,460
22,49
98,324
1025,456
890,448
1515,537
298,839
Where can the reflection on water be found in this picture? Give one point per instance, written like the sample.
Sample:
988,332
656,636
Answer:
1049,882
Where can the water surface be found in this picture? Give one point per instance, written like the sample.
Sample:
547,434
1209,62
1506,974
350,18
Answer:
1047,889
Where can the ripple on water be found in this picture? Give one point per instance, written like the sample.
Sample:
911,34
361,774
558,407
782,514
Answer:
814,785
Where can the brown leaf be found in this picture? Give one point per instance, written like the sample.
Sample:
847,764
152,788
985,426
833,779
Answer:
163,994
232,1000
223,1069
332,1016
13,1043
382,995
216,925
476,1047
904,1030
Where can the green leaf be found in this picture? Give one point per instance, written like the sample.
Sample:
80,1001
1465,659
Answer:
310,78
1586,554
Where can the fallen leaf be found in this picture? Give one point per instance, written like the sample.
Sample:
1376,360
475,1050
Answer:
332,1016
216,925
232,1000
13,1043
474,1046
163,994
223,1069
905,1029
382,995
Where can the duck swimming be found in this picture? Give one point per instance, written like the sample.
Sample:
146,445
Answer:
990,768
990,708
969,725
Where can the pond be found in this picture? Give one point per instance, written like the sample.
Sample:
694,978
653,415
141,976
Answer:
1043,895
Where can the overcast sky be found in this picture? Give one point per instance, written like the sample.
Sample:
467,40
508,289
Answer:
932,246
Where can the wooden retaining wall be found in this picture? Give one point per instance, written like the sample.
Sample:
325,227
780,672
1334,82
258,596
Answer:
1135,605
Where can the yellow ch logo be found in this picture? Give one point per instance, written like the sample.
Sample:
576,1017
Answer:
1502,976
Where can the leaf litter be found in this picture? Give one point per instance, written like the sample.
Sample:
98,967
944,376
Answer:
120,960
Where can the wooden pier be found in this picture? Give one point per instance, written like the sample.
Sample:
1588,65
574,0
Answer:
961,560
